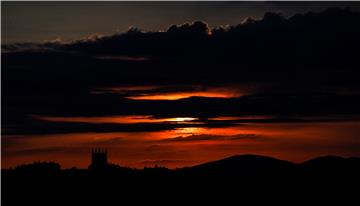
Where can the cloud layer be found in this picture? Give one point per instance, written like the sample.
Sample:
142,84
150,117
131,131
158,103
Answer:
302,65
271,71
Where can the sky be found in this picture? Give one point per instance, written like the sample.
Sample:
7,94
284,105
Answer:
281,81
68,21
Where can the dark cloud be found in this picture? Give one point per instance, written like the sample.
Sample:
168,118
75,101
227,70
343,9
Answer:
33,125
293,67
202,137
196,28
44,127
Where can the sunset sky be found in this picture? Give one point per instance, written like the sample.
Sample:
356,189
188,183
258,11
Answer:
173,84
67,21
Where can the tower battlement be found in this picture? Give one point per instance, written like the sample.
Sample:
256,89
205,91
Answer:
98,158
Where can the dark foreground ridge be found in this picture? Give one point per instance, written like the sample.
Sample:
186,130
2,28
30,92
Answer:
234,179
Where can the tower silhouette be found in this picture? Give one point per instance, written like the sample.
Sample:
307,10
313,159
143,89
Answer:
98,158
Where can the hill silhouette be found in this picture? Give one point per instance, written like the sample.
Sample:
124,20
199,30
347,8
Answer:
240,176
332,166
249,165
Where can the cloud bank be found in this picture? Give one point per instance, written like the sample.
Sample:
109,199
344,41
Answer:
293,69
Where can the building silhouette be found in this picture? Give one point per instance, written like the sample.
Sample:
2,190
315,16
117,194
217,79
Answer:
98,159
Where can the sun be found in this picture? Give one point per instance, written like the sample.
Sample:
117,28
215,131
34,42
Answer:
183,119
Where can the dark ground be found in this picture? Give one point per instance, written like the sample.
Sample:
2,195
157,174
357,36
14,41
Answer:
232,181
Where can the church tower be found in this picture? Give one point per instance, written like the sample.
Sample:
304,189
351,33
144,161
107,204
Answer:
98,158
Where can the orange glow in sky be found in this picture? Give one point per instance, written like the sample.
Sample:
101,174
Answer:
225,118
182,95
189,145
164,93
129,119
